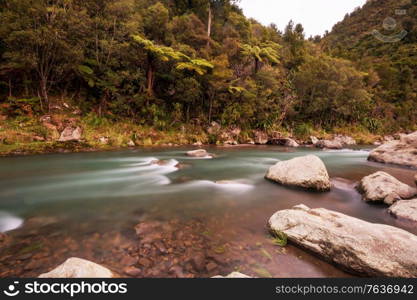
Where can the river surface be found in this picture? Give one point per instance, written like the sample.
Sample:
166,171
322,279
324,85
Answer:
87,205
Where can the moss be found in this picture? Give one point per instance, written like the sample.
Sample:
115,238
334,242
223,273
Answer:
279,238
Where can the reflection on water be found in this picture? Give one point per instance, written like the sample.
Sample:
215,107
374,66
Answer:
92,200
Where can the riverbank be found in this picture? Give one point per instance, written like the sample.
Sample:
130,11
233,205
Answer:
44,134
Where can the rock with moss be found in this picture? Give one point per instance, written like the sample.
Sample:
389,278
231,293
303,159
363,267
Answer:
399,152
356,246
307,172
382,187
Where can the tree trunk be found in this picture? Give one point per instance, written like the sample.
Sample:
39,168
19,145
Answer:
10,87
209,25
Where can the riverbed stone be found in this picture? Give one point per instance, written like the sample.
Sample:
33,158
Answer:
382,187
71,134
399,152
233,275
260,137
329,144
405,210
78,268
345,140
356,246
308,172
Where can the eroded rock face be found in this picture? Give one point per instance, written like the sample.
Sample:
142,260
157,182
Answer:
233,275
402,152
327,144
405,210
78,268
200,153
71,134
357,246
382,187
308,172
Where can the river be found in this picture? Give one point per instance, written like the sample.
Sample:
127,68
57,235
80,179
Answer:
87,205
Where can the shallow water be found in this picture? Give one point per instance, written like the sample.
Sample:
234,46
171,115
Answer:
86,204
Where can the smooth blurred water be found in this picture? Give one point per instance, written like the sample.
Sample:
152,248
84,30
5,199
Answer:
106,190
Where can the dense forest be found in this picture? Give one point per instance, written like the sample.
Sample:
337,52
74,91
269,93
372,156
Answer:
166,63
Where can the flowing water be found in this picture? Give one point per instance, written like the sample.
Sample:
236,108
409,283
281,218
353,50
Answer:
87,204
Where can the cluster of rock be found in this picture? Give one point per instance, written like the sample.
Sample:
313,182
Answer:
232,136
382,187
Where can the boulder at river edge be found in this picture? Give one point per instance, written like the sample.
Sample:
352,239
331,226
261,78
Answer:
78,268
405,210
357,246
71,134
402,152
234,275
327,144
382,187
308,172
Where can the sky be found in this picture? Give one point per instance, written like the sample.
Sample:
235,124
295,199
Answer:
316,16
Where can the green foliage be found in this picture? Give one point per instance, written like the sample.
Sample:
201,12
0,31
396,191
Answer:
159,63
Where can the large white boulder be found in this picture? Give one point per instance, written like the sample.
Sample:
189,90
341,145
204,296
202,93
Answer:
382,187
402,152
78,268
308,172
357,246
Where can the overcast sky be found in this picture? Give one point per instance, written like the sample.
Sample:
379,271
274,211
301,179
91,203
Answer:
317,16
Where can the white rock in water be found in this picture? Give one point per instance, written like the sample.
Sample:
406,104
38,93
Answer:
308,172
405,209
357,246
402,152
382,187
200,153
70,134
78,268
233,275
